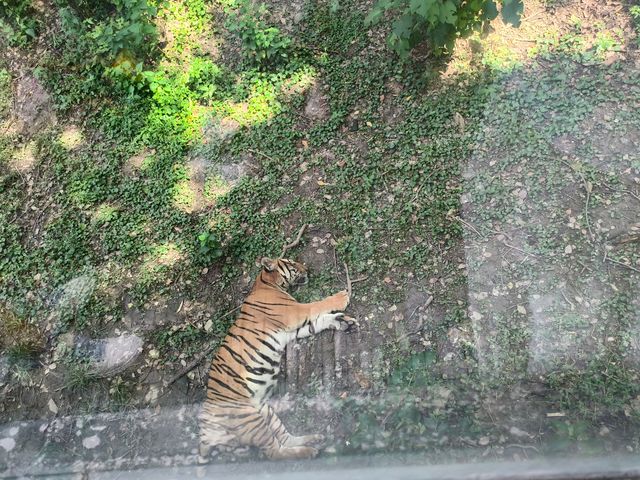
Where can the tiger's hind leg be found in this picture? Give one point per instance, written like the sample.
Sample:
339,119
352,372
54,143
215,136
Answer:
283,436
252,427
291,453
211,437
216,429
263,429
305,440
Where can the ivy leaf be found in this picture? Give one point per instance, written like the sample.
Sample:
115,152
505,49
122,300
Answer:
403,25
490,11
422,7
443,36
448,12
418,7
373,17
512,12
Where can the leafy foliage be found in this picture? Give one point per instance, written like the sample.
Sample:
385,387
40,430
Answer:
439,21
17,22
262,44
114,42
210,247
634,10
204,76
19,337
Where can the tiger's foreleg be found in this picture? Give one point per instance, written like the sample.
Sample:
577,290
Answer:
335,321
335,303
321,314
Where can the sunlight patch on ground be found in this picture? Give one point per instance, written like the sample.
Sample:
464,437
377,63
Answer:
104,213
9,127
71,137
186,28
265,98
184,196
24,158
299,82
138,163
215,187
155,269
165,254
502,47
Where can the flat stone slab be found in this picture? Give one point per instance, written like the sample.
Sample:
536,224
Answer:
105,441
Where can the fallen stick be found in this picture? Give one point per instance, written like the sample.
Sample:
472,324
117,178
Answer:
346,272
351,282
196,361
295,242
190,366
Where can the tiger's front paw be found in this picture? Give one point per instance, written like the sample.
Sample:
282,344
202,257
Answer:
345,322
340,300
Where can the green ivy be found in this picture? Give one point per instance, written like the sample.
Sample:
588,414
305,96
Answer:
17,21
114,43
262,44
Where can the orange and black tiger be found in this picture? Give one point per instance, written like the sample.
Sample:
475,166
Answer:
243,372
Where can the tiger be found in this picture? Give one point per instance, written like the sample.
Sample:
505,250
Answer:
242,375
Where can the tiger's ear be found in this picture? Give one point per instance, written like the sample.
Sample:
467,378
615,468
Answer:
268,264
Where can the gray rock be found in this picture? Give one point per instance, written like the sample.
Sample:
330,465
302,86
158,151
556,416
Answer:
106,356
33,110
317,107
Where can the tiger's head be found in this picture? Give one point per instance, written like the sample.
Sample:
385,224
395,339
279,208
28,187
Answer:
285,273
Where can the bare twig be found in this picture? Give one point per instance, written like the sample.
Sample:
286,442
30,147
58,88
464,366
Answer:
634,195
468,225
8,125
196,361
622,264
534,14
587,187
519,249
523,447
573,307
626,238
429,301
258,152
295,242
628,192
415,310
404,336
346,272
190,366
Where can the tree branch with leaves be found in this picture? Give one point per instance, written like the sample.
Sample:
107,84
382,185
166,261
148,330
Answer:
440,22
